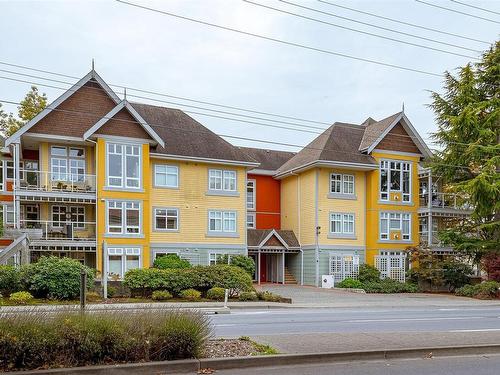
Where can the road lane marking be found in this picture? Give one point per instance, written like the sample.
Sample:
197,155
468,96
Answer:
411,319
476,330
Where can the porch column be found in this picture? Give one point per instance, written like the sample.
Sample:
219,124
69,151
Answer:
301,267
17,175
429,191
258,268
429,229
283,269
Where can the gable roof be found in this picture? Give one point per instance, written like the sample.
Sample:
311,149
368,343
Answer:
124,104
270,160
337,144
92,75
186,137
256,238
375,132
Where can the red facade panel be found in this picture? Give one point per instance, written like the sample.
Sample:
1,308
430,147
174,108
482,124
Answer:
268,205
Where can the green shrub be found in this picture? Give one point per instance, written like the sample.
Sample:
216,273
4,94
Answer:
170,261
216,293
93,297
145,281
389,286
31,341
485,290
456,274
161,295
53,277
10,280
350,283
268,296
241,261
112,291
21,298
368,273
248,296
190,294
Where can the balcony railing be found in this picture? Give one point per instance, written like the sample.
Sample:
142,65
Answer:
57,182
424,239
444,200
57,230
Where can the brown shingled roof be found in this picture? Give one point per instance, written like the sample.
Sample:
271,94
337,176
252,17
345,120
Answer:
340,143
184,136
269,160
256,236
374,130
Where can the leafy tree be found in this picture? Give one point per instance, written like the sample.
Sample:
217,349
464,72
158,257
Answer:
170,261
32,104
468,118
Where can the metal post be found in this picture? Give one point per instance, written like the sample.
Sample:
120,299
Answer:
104,271
258,267
429,229
83,289
283,269
226,296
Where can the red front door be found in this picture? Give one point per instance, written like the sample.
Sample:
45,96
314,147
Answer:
263,269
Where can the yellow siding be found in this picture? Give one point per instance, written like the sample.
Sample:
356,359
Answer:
308,207
193,204
289,204
327,205
374,206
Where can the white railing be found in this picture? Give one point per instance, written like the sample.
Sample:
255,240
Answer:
424,239
444,200
57,182
391,266
58,230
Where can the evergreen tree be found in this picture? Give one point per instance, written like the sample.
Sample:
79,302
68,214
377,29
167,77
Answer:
32,104
468,118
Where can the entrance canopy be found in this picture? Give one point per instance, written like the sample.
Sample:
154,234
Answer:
272,241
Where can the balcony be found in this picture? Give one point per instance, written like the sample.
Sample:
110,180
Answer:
56,186
444,202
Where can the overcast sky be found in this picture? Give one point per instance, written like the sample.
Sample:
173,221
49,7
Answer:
141,49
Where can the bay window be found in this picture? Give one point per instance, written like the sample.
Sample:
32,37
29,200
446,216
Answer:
123,217
395,221
122,259
341,183
123,165
395,176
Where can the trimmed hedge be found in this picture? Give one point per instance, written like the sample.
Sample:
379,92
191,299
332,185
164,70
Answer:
350,284
216,293
379,286
32,341
143,281
170,261
241,261
10,280
486,290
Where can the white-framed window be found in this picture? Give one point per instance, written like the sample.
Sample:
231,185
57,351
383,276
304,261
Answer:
251,220
342,183
222,221
222,180
212,259
395,221
59,216
124,217
395,176
341,223
166,219
123,165
8,214
67,163
251,194
122,259
166,175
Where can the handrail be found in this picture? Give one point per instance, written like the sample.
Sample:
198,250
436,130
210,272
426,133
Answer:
59,229
56,181
444,200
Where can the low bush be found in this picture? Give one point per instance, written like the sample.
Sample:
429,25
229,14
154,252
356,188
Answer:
202,278
112,291
368,273
268,296
53,277
190,294
93,297
248,296
241,261
31,341
161,295
485,290
21,298
217,294
170,261
456,274
389,286
10,280
350,283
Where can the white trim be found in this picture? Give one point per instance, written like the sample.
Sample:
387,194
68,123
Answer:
253,181
166,229
254,216
400,153
53,137
326,163
123,229
92,74
166,165
263,172
113,251
204,160
271,233
123,176
109,116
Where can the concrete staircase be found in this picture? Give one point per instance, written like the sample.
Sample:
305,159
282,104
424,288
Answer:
289,279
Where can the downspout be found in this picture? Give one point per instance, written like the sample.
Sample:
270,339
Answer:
316,226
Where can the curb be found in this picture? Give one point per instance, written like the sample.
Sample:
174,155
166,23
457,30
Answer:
194,365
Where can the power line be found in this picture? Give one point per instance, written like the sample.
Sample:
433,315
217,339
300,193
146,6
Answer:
198,113
456,11
204,114
281,41
169,96
403,22
372,25
88,114
475,7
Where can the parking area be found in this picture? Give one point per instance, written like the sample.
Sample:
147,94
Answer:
309,296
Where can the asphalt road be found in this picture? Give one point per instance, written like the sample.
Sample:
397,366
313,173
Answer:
477,365
359,320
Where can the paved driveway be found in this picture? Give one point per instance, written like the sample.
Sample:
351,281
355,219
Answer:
317,297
